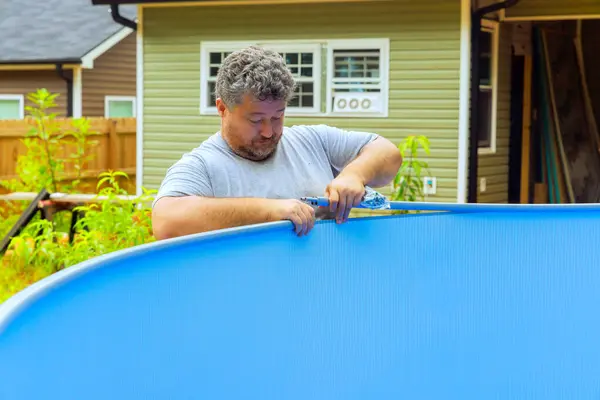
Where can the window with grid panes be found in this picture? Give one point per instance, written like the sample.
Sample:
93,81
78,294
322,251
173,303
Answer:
301,66
215,60
358,78
301,63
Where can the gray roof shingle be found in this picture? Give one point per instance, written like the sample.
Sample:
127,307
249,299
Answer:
54,30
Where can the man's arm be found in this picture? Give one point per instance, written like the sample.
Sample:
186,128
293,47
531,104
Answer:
185,205
180,216
362,159
376,164
370,157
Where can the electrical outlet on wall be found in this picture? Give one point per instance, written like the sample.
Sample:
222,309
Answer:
429,185
482,185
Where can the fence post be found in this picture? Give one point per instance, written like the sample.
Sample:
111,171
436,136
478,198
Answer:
113,147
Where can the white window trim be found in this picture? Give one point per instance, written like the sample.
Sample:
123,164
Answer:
316,45
278,45
77,92
108,99
384,62
205,49
20,98
494,28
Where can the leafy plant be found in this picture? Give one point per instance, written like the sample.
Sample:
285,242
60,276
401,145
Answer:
109,224
113,221
38,169
41,166
80,158
408,183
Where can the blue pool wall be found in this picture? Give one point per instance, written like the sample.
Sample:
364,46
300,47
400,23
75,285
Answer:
491,305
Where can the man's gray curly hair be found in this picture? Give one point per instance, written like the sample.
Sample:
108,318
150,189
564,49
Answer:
255,71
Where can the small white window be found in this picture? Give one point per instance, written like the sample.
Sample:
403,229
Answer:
12,106
303,60
357,81
488,86
119,107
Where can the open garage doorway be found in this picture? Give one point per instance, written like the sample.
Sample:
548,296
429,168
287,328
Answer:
555,112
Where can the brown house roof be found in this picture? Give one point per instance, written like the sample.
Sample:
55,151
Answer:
54,31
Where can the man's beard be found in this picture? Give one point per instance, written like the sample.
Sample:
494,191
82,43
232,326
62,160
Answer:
257,153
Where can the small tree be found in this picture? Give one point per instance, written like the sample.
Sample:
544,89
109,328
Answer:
41,167
408,184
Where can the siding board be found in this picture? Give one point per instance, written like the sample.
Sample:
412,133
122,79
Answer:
113,75
424,72
26,82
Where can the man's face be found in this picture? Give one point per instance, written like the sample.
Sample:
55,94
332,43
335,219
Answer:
253,128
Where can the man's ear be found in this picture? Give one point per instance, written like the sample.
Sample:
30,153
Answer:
221,107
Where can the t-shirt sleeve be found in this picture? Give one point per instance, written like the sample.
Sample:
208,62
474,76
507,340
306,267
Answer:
342,146
187,177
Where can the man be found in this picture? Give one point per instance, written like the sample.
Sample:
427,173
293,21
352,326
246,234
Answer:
255,170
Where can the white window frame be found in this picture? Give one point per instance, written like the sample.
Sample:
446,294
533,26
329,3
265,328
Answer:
279,45
381,44
108,99
205,49
18,97
493,27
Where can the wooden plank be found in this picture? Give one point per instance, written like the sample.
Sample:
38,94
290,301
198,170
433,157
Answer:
113,147
526,129
19,128
90,173
66,198
586,92
557,128
540,193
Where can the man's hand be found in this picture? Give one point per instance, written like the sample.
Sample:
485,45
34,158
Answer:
301,214
344,192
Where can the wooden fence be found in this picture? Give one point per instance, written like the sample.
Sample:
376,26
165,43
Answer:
116,149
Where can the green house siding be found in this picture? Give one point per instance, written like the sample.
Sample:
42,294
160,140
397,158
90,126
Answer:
494,167
549,8
424,70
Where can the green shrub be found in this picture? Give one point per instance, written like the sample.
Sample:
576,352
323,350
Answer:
106,225
408,184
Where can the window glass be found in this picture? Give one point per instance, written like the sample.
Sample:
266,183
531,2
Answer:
485,58
120,109
10,109
485,118
300,64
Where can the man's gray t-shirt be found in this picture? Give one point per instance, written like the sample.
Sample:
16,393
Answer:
307,159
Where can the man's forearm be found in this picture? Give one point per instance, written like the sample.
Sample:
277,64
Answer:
181,216
377,164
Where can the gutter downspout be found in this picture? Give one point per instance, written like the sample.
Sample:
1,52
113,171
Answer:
476,18
118,18
69,81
